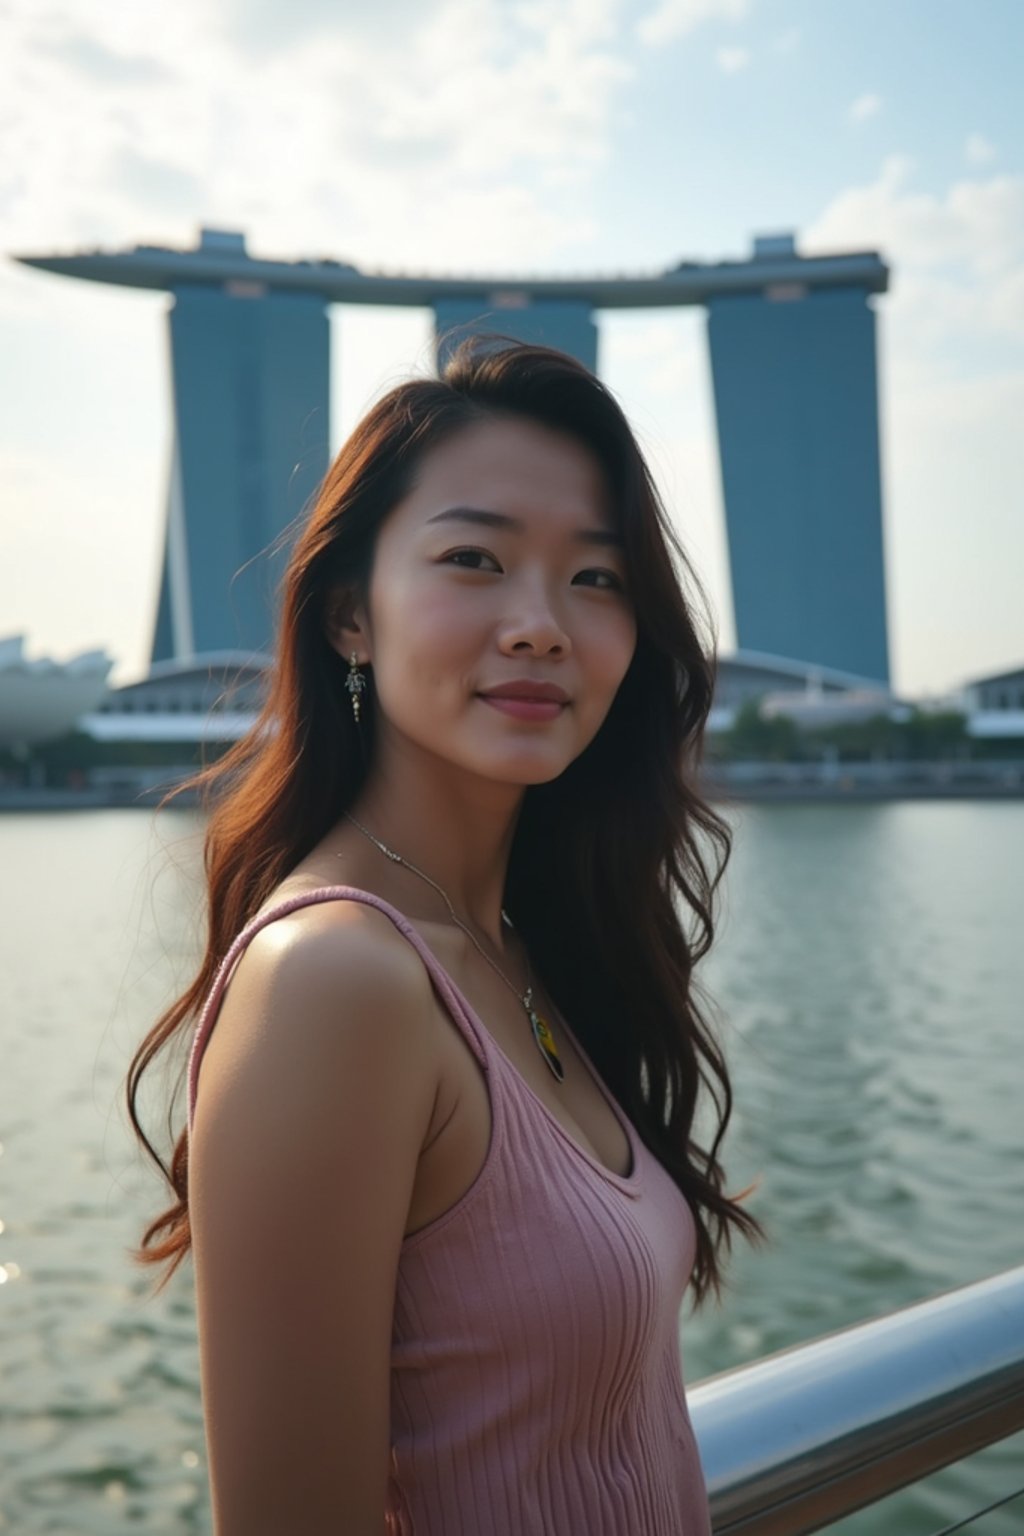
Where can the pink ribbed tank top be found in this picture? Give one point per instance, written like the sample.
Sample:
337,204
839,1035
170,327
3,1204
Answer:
536,1375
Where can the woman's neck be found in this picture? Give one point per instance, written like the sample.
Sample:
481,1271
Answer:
458,829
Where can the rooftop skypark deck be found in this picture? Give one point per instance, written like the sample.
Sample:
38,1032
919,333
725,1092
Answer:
221,257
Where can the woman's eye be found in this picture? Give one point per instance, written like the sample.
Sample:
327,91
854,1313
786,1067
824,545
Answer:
608,581
472,559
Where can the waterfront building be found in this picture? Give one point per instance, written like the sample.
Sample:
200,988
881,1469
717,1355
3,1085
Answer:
803,691
210,699
792,347
40,698
995,706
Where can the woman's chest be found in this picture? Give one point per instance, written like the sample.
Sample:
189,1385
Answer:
458,1142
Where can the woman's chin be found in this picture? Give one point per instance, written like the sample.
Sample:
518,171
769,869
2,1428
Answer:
524,769
519,763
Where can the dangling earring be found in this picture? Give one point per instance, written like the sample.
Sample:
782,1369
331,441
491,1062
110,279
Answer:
355,683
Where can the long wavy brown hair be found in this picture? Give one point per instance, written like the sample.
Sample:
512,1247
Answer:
615,864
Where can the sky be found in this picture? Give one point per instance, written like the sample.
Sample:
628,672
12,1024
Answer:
531,137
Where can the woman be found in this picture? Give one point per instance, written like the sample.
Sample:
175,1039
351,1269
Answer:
441,1176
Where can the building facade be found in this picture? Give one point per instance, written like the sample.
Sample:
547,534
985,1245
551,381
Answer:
793,356
795,395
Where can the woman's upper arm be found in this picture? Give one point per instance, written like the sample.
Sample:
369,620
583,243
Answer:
310,1116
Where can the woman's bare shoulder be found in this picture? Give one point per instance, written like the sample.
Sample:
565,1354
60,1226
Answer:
343,941
329,988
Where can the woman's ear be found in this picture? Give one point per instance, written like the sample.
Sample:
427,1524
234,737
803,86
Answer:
345,626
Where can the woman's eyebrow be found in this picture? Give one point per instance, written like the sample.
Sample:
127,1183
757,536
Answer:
604,536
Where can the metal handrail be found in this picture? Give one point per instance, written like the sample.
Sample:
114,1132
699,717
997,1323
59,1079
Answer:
812,1433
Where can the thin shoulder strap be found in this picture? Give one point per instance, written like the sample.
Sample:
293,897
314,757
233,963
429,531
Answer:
443,984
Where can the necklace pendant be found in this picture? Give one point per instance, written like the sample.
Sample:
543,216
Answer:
546,1043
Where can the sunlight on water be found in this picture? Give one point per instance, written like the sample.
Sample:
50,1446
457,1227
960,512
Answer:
868,972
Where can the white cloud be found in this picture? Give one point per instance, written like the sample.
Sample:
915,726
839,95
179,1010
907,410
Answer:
332,135
673,19
864,107
731,60
978,150
975,230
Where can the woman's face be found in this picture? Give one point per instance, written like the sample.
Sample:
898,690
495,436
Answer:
501,567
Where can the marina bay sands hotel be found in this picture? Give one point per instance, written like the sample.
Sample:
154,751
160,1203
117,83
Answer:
794,370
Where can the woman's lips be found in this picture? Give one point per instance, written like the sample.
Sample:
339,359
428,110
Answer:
527,698
524,709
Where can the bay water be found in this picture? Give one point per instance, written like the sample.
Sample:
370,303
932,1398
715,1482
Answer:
868,984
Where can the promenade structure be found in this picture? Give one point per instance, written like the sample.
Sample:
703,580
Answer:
794,370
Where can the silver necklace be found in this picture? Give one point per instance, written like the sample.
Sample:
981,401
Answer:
539,1028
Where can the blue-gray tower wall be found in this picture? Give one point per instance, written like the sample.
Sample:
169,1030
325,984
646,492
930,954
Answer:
795,387
251,410
566,324
162,646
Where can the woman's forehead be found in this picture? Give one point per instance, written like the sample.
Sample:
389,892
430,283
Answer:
516,467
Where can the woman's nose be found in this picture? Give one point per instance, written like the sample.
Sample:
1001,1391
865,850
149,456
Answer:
531,623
